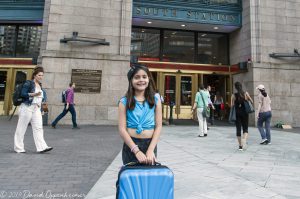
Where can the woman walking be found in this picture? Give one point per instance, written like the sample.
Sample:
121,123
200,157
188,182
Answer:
264,114
201,103
30,111
238,99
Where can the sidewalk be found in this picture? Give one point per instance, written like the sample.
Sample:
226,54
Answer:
212,167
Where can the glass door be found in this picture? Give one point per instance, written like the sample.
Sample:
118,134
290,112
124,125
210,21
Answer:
3,89
178,92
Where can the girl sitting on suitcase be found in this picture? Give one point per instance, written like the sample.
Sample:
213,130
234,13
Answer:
140,117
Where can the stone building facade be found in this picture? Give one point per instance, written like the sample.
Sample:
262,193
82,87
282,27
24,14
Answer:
271,27
105,19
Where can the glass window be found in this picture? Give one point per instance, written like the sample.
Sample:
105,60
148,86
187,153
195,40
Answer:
29,40
7,41
178,46
145,44
170,89
186,91
212,49
3,77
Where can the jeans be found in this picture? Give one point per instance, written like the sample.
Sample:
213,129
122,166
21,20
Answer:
65,111
264,117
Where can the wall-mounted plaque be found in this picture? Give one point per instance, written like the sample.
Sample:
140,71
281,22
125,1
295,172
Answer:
87,81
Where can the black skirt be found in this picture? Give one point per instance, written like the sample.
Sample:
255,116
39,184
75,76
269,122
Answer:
143,144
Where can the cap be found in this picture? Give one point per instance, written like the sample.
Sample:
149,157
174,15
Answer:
260,87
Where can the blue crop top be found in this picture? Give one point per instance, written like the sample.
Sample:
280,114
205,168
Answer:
142,117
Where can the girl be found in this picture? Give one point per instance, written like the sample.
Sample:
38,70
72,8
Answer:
140,117
30,111
242,117
264,114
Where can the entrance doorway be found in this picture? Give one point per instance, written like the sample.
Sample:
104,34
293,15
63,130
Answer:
177,90
9,78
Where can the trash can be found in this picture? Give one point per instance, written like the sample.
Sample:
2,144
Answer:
45,118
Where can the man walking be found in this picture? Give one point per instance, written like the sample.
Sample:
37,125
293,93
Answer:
69,106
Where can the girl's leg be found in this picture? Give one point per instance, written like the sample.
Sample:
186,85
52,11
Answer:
24,117
260,127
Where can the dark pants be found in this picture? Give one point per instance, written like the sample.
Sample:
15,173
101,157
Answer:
241,121
211,116
128,156
65,111
264,117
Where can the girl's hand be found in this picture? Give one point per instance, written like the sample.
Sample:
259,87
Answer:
150,157
141,157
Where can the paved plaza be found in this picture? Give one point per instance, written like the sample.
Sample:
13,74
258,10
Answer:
85,163
213,168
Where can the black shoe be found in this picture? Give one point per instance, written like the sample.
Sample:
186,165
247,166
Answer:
46,150
240,148
205,135
75,127
201,136
53,126
207,128
264,142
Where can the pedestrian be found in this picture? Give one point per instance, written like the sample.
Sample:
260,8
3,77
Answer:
68,107
242,117
201,103
264,114
30,111
217,104
211,106
140,117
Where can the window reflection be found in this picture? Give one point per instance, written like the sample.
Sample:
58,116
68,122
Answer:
178,46
212,49
145,44
186,91
29,39
20,41
7,40
3,77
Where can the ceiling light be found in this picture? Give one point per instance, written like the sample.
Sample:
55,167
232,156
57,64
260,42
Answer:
183,25
203,35
149,22
216,28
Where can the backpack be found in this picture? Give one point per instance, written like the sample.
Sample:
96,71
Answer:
17,99
64,96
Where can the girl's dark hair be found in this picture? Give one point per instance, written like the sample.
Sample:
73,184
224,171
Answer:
239,88
149,92
36,71
71,84
263,92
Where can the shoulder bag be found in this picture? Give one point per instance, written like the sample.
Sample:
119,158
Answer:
206,110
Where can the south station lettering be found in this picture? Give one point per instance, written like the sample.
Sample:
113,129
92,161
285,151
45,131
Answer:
188,15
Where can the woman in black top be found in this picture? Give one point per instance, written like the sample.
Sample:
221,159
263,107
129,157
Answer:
242,118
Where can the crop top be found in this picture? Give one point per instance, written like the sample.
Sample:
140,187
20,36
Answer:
142,117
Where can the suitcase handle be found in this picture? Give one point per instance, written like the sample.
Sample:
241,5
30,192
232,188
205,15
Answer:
141,164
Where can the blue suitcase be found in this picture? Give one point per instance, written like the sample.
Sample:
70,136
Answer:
145,182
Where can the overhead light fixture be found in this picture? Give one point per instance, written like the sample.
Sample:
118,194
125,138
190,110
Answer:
149,22
216,28
143,31
203,35
183,25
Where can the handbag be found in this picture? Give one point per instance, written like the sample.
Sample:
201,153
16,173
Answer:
232,115
248,106
45,107
222,106
206,110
